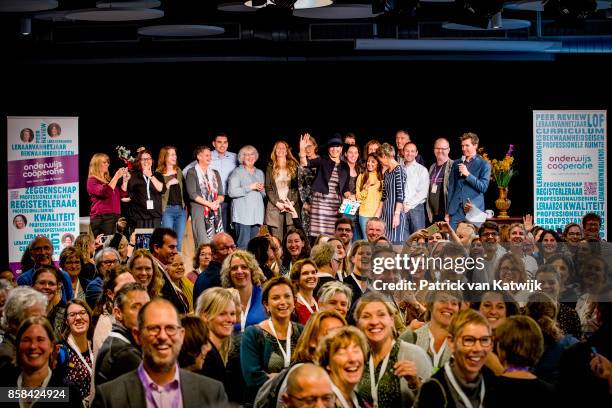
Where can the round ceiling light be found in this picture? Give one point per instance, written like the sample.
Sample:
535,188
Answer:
299,4
26,6
113,15
128,4
179,30
337,12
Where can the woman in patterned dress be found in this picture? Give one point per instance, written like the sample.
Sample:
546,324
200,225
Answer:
306,176
329,185
390,209
79,370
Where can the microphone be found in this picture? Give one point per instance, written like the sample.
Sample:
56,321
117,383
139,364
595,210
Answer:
464,163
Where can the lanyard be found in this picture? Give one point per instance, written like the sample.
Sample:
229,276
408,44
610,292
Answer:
340,276
434,178
119,336
305,303
148,182
243,316
436,356
286,353
89,368
464,398
357,280
342,400
373,382
43,385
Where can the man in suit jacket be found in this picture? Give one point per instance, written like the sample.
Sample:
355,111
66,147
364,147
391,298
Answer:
439,176
159,381
469,179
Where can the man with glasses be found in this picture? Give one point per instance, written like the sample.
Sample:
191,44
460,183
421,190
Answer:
343,230
439,175
106,259
41,251
308,386
222,245
120,354
489,236
158,381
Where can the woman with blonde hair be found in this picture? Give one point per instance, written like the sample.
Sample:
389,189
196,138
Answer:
105,194
396,368
241,272
281,185
218,310
174,199
143,267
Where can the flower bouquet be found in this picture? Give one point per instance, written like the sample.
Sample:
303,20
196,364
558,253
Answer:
502,172
124,155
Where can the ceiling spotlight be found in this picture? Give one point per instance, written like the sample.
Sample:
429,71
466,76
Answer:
479,13
395,7
570,9
26,26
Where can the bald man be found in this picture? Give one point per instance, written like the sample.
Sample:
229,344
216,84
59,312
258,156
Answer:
222,245
309,385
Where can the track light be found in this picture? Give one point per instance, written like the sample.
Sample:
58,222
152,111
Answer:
26,26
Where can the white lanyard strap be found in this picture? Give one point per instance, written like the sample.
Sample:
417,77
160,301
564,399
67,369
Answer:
342,400
305,303
148,182
44,384
464,398
119,336
359,284
286,353
437,356
373,382
245,313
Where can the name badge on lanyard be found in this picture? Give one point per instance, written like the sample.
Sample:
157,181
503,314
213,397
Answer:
149,201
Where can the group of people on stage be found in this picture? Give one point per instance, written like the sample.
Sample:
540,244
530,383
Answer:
299,313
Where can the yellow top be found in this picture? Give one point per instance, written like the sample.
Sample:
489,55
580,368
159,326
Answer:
370,196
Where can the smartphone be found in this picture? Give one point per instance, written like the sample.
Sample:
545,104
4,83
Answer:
105,238
432,229
143,237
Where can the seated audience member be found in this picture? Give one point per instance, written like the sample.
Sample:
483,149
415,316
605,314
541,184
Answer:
335,296
102,319
543,309
576,373
375,228
304,278
70,262
47,280
517,236
432,337
339,261
22,302
593,277
41,254
79,366
176,273
396,368
361,260
120,353
322,255
222,245
261,248
319,325
519,346
145,271
201,260
195,344
572,235
306,386
5,288
510,269
160,335
219,310
549,244
106,259
265,348
460,382
567,317
493,251
568,279
591,225
343,355
36,343
241,272
295,247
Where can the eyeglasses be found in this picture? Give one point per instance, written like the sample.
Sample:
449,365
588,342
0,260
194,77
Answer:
328,400
344,229
109,262
146,159
228,247
470,341
489,234
171,330
81,313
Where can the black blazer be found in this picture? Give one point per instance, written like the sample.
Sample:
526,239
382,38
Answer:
325,167
57,380
127,391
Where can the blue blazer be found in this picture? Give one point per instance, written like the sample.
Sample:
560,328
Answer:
473,186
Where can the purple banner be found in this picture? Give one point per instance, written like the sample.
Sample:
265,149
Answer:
43,171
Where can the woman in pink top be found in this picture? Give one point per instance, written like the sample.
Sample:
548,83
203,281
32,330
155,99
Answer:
104,194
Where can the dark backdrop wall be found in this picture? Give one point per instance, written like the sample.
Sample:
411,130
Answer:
257,103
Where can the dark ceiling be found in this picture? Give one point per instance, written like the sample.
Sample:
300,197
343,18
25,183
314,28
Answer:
277,34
